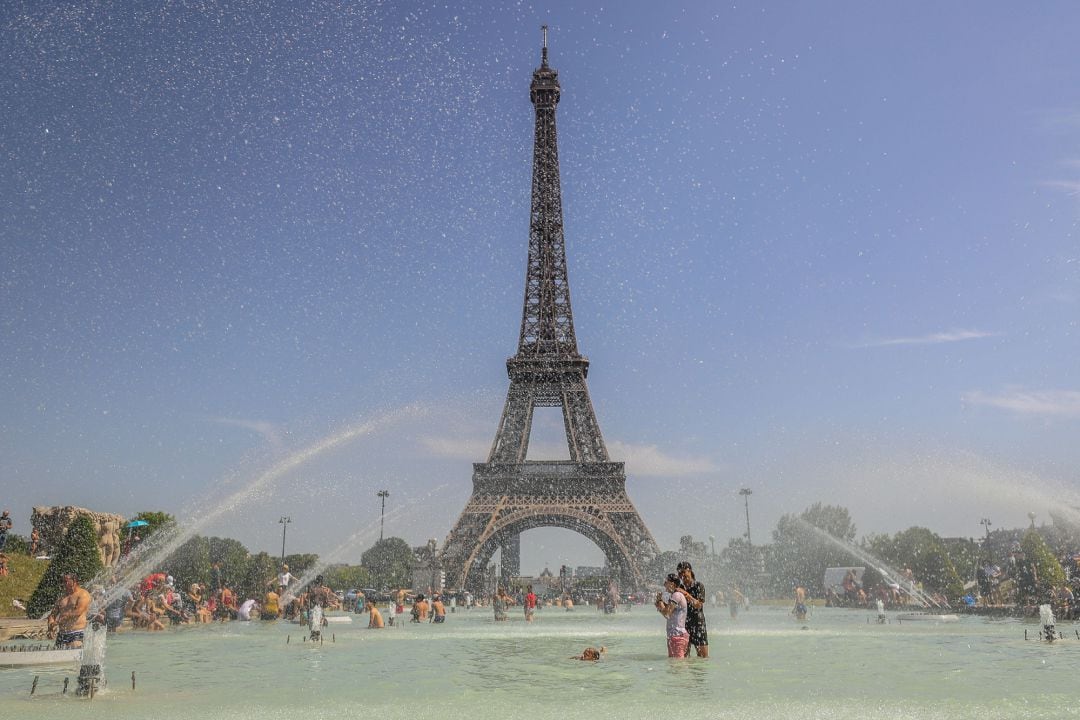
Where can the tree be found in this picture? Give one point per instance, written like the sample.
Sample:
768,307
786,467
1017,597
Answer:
233,557
390,562
662,564
804,546
1047,572
346,577
155,521
925,554
260,569
191,562
300,563
78,554
687,546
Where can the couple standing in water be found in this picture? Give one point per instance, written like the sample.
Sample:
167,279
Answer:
683,604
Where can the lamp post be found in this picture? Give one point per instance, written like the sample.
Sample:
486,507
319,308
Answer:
985,522
746,493
383,494
1031,517
284,524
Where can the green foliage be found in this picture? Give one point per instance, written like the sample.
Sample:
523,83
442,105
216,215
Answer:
300,563
17,544
191,562
77,553
247,574
24,575
925,554
833,519
344,577
1047,574
390,562
799,554
232,556
155,521
260,570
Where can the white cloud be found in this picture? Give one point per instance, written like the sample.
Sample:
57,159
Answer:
267,430
931,339
1072,187
1060,403
650,460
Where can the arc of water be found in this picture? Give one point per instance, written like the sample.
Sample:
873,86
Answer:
166,542
353,540
887,572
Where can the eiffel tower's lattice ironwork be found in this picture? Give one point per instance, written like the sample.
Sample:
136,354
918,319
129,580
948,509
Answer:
586,494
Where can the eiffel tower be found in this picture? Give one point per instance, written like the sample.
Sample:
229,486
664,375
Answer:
586,494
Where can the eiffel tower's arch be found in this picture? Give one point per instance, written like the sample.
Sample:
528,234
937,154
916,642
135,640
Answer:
579,515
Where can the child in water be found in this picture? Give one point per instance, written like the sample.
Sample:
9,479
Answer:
591,654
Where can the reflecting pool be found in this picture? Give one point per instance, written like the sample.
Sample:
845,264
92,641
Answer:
838,664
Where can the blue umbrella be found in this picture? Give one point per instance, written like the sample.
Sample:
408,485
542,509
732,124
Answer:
137,523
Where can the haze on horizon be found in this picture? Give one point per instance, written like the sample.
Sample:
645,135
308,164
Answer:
826,254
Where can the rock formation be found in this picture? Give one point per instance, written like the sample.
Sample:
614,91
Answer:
53,522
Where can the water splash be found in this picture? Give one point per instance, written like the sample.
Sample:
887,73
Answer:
168,540
888,573
363,536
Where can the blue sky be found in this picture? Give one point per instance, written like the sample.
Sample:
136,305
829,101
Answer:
826,252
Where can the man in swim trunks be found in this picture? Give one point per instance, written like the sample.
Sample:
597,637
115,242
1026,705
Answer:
68,616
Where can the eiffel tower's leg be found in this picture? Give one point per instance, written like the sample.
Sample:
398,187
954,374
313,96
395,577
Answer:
512,438
511,559
582,430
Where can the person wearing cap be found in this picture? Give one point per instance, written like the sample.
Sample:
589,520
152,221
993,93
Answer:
5,525
68,616
695,608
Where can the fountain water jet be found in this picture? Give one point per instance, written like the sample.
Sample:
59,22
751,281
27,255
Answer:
167,541
368,531
886,571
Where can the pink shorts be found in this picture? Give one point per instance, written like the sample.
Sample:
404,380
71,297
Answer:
677,645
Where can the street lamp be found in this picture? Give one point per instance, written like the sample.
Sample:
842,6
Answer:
985,522
383,494
746,493
1031,517
284,524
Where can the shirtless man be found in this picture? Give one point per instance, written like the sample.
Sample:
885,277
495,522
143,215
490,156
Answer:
438,610
320,594
375,620
800,603
68,616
